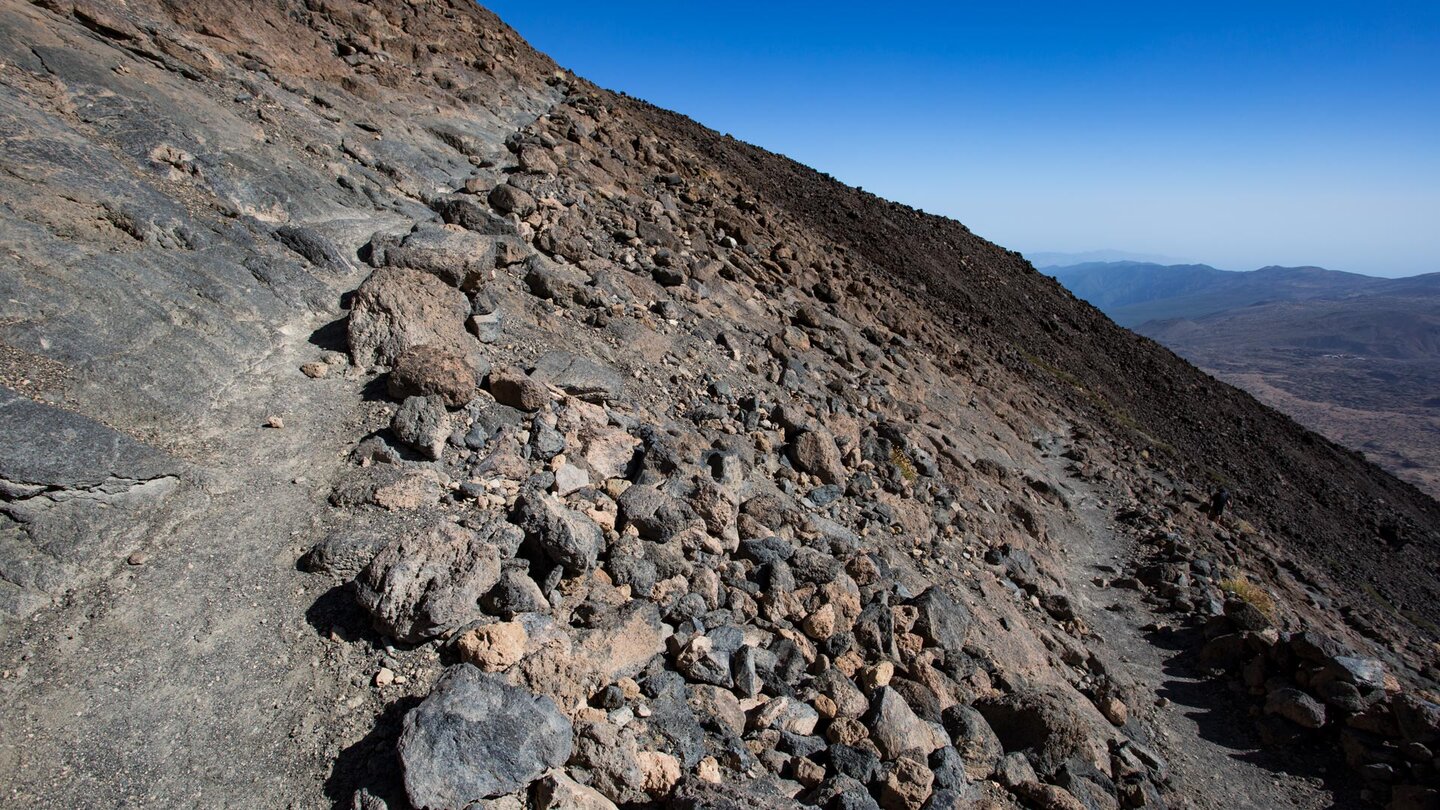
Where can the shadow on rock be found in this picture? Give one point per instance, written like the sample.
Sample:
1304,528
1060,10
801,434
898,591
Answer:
337,613
373,763
332,336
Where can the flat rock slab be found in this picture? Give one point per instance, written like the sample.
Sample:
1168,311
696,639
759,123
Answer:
578,376
476,737
47,447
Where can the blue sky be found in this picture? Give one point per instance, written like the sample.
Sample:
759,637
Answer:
1238,134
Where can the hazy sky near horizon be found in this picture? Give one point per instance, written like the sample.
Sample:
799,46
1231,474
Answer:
1236,134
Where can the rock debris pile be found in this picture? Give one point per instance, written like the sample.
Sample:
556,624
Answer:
653,471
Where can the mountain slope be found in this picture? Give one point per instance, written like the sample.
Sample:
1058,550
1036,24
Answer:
475,434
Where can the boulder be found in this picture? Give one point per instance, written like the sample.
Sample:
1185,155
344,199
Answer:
1049,724
514,594
1296,706
609,451
896,729
860,764
907,787
610,756
559,792
493,647
476,737
466,212
848,699
656,515
974,740
564,535
570,478
815,452
397,308
1418,719
429,582
508,199
750,794
1014,770
786,714
552,280
513,387
942,621
1048,797
344,553
1366,674
459,257
423,424
428,371
701,661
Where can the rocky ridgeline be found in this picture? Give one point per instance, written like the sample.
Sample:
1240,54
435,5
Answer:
684,514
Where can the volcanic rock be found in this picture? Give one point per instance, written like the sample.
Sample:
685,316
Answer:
476,737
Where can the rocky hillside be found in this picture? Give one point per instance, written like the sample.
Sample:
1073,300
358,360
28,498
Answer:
394,420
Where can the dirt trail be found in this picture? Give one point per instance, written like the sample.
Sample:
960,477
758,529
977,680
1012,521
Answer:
203,683
1201,730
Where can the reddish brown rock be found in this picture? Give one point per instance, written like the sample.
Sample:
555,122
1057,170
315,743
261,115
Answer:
430,371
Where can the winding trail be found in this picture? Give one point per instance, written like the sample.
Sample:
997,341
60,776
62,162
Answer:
1202,731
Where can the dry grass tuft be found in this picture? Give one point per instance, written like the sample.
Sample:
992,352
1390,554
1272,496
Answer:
1247,591
907,467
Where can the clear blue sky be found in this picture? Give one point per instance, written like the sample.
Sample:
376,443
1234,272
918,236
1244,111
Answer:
1238,134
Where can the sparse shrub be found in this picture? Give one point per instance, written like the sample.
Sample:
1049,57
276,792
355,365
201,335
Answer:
904,464
1247,591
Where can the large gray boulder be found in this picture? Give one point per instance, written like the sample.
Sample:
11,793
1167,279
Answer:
423,424
476,737
896,729
1047,724
427,583
566,536
942,621
974,740
459,257
656,515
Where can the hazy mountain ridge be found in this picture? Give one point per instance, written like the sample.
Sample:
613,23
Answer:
1362,368
1132,293
1354,357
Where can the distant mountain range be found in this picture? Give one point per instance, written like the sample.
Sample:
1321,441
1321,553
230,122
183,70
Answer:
1353,356
1054,259
1132,293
